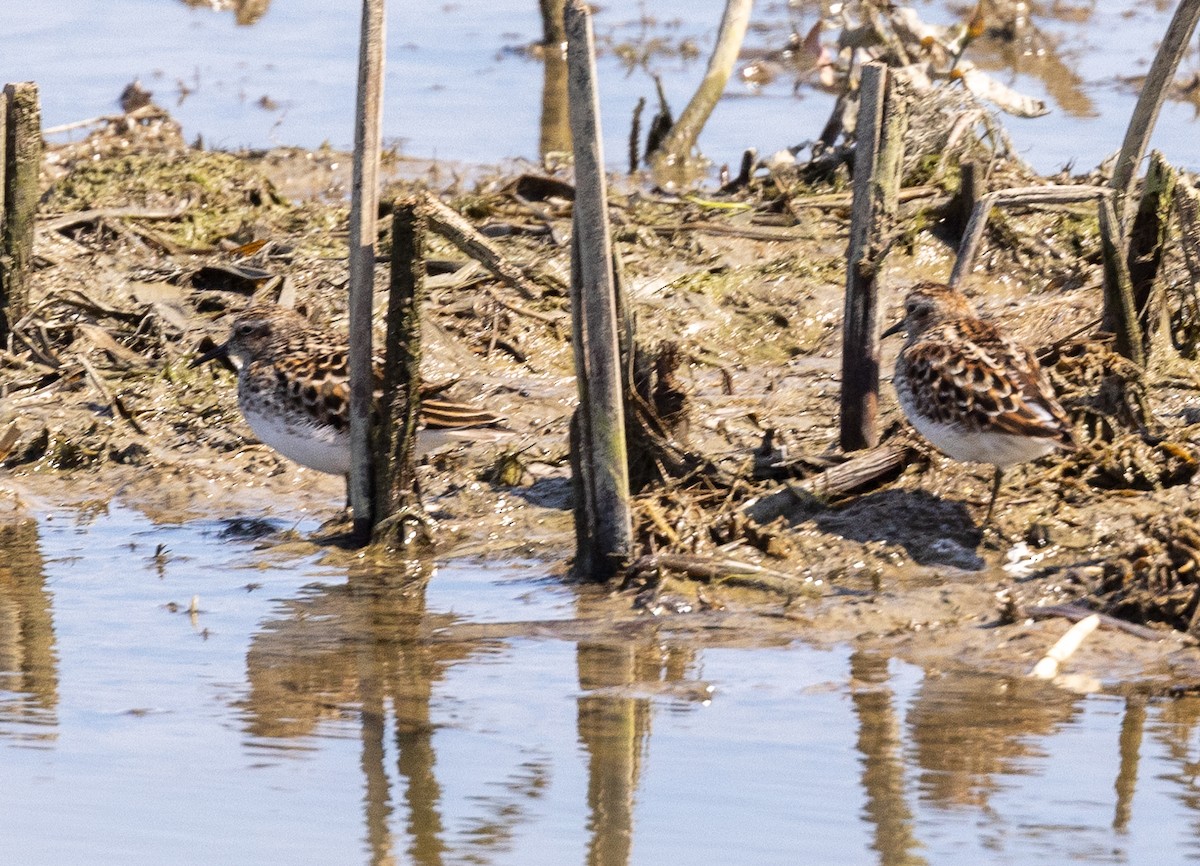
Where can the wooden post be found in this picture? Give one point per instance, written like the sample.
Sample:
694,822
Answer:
364,208
878,158
607,535
1145,113
397,505
21,156
1147,242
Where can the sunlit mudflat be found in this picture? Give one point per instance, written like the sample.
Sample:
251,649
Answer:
307,714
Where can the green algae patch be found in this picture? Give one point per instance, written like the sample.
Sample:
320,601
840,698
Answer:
215,194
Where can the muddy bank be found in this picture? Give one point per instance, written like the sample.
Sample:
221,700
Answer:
145,246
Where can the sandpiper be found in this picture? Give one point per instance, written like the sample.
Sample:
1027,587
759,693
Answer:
971,390
294,392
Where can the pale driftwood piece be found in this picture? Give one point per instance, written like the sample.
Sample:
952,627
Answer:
676,148
879,154
1047,668
1145,114
400,521
22,160
604,514
862,472
364,209
1120,315
454,228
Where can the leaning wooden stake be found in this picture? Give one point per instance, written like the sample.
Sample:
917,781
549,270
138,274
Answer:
676,148
21,156
400,520
364,207
879,154
1145,114
603,522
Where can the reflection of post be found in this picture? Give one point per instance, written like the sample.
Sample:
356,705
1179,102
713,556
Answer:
883,771
376,799
1130,744
556,125
397,663
613,730
362,643
26,628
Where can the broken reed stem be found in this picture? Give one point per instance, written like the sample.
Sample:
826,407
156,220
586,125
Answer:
397,506
364,208
606,537
1120,315
676,148
1145,114
879,155
1147,242
21,157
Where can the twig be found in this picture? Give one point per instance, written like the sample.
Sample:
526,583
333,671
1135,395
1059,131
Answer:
454,228
86,216
114,402
1075,613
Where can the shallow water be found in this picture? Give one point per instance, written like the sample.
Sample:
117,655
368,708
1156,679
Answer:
312,713
459,86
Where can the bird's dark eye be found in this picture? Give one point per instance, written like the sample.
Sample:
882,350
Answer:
245,329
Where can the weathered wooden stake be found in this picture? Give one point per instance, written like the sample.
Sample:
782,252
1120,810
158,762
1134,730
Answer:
397,506
21,156
603,522
1145,114
364,207
878,157
1147,241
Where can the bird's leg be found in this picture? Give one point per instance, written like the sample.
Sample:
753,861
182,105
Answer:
996,480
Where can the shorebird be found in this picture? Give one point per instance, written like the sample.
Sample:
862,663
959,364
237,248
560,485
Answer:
294,392
971,390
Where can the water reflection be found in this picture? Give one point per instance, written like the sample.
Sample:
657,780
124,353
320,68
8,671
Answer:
28,661
245,11
555,126
969,731
364,645
539,724
880,740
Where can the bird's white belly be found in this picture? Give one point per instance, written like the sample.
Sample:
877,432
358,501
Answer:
317,446
326,449
981,446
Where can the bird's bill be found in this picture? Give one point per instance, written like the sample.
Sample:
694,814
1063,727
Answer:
217,353
894,329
